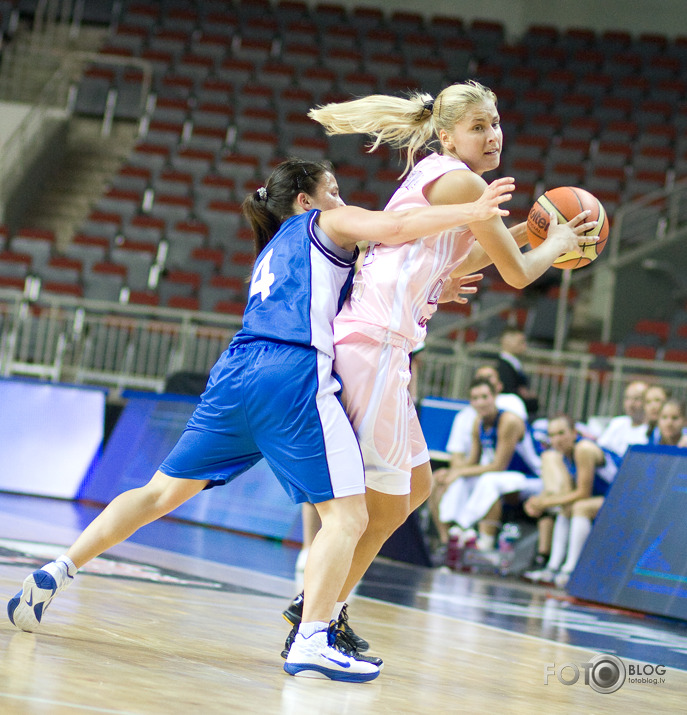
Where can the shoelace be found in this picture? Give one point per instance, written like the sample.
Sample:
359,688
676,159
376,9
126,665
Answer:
343,642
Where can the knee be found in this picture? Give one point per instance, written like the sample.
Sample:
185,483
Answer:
352,520
398,518
585,509
386,521
164,494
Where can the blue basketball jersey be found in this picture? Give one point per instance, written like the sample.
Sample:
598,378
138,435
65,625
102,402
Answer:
525,459
272,393
654,436
487,439
299,283
604,474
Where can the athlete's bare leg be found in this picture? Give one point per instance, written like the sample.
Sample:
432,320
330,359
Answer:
131,510
329,561
386,512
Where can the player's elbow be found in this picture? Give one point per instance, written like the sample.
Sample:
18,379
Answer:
514,273
517,280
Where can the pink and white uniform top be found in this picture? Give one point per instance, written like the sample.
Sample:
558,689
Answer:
397,289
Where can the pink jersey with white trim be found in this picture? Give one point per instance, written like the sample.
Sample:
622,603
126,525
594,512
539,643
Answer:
398,287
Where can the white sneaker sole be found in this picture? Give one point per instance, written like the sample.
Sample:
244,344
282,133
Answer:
26,609
310,670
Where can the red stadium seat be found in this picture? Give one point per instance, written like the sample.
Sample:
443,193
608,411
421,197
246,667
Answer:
640,352
183,302
660,328
675,355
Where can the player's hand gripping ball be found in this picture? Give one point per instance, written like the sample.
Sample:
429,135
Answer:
566,202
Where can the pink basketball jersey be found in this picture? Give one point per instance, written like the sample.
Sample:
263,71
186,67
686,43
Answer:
397,288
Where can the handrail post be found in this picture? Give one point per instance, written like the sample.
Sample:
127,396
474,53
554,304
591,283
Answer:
562,313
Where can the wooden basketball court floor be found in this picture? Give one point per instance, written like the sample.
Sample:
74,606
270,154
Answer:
186,619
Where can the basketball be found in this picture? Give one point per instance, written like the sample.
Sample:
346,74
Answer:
566,202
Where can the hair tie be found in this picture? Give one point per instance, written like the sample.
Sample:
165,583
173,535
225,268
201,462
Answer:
428,105
262,193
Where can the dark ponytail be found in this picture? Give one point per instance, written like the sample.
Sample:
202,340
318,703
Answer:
268,207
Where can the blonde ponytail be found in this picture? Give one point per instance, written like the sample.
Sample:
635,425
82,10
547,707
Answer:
410,123
401,123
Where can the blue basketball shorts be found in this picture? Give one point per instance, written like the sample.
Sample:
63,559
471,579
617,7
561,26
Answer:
280,402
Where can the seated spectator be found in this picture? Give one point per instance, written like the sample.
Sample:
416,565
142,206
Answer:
629,428
671,423
654,397
460,438
503,460
514,344
670,430
573,470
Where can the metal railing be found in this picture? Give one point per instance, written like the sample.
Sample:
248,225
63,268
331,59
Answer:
63,339
564,381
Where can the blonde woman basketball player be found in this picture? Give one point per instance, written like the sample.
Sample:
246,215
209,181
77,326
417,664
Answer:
398,288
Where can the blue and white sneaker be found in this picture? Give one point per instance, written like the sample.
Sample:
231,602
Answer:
316,657
294,613
26,609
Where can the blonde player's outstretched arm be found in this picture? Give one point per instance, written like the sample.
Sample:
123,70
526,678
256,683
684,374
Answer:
349,224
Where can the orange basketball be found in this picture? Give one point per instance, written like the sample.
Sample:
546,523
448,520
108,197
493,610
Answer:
566,202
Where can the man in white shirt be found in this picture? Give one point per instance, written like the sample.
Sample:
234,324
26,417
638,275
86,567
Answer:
460,437
629,428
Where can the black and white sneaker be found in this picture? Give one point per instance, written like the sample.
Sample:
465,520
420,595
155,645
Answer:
539,562
294,613
347,642
361,645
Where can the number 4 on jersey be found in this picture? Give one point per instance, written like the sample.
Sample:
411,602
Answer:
262,277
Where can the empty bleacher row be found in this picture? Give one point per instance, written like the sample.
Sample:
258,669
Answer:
180,270
600,109
650,340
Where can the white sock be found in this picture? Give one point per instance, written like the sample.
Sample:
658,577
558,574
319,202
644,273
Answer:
559,542
59,570
71,569
485,542
580,526
308,629
338,606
